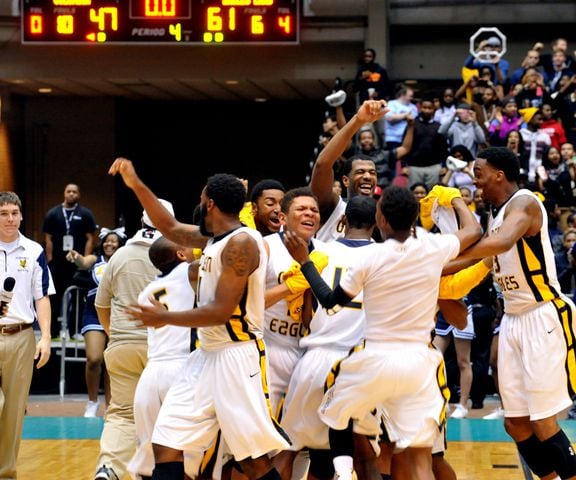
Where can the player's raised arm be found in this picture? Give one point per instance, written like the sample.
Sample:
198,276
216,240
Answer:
180,233
323,174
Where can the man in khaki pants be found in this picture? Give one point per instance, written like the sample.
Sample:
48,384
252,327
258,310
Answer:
24,270
127,273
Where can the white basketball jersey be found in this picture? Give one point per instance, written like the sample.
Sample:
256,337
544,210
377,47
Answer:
345,328
333,228
526,273
246,321
176,294
401,283
279,327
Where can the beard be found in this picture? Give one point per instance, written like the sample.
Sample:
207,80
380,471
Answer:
203,229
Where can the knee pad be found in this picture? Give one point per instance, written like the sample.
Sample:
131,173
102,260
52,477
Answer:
321,465
535,456
562,454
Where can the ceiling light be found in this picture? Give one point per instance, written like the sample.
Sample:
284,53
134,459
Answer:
232,82
260,99
45,90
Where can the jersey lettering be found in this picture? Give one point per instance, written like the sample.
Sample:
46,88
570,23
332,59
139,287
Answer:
290,329
507,283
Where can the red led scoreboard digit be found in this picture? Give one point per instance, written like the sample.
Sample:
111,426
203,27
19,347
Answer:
161,21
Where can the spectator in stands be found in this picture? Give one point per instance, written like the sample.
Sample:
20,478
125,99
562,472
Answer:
447,106
463,176
69,225
400,111
567,152
487,50
488,109
371,81
552,126
559,69
420,190
533,92
505,121
565,262
565,104
424,161
94,335
535,140
553,178
546,59
531,60
472,89
554,230
515,143
463,129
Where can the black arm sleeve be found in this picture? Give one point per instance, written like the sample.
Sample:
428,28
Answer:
327,297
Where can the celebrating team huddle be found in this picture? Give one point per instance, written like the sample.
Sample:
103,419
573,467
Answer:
313,356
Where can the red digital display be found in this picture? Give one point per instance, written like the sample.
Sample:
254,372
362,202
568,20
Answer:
160,21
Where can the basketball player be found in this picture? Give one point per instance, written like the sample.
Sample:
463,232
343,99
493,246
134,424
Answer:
224,385
397,369
266,197
329,340
168,347
536,346
359,172
282,332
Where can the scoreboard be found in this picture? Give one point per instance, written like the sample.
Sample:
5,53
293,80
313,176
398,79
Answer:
160,21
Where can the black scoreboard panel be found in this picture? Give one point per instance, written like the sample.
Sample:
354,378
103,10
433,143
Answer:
160,21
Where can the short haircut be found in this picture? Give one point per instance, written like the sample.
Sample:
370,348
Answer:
361,212
294,193
266,184
227,192
400,208
347,167
503,159
163,255
10,198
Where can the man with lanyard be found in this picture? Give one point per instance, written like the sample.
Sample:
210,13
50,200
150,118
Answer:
67,226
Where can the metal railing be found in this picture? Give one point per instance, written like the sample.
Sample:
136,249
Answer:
70,348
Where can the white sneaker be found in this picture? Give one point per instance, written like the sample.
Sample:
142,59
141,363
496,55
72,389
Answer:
495,415
459,412
91,409
336,99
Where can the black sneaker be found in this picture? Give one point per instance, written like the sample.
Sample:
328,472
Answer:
105,473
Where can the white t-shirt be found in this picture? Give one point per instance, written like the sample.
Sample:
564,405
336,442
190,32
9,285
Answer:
401,282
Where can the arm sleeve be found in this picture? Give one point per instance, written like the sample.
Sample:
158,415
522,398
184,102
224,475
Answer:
327,297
